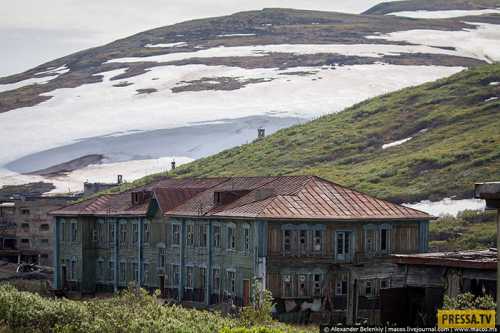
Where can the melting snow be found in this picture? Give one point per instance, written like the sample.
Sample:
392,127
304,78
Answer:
448,206
396,143
491,99
178,44
121,109
439,14
362,50
106,173
60,70
28,82
480,43
235,35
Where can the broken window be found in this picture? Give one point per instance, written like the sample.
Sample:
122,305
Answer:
111,271
371,240
202,277
385,283
287,241
317,284
145,273
231,278
25,211
189,277
216,279
246,237
74,231
112,232
123,233
203,235
231,241
384,240
175,275
123,271
318,240
303,241
287,285
95,234
190,235
302,285
135,272
135,233
147,232
25,226
44,241
370,288
176,234
72,270
100,232
162,257
341,284
217,237
44,227
62,233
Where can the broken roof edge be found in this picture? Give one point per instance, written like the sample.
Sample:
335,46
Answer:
443,259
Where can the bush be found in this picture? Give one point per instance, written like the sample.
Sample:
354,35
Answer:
469,301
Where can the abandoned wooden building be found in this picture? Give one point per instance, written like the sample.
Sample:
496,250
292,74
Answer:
314,244
428,277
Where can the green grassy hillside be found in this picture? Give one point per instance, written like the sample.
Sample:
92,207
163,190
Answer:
454,123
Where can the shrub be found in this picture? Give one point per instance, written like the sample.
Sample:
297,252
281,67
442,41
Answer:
469,301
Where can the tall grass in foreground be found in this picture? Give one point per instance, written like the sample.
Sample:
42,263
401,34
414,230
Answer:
132,310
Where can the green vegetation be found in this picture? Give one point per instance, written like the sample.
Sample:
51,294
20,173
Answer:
131,311
470,230
469,301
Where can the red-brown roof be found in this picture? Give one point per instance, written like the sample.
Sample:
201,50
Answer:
286,197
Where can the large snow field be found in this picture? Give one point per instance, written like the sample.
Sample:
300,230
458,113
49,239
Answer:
482,42
361,50
441,14
448,206
100,109
106,173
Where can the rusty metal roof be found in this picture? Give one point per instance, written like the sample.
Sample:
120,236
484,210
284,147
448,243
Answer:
286,197
479,259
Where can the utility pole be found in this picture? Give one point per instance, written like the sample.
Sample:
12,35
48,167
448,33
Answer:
491,193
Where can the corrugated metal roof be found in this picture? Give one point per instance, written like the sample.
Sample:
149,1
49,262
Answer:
287,197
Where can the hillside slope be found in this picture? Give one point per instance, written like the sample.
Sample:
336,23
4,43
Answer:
431,5
453,124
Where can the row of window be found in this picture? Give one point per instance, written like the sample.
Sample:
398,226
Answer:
196,278
305,242
42,227
302,285
25,242
128,234
127,271
197,236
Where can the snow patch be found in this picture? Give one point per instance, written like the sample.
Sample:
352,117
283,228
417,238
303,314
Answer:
27,82
440,14
494,83
361,50
59,70
448,206
480,43
396,143
490,99
104,173
97,109
177,44
235,35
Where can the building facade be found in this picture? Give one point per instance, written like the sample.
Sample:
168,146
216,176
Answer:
318,247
